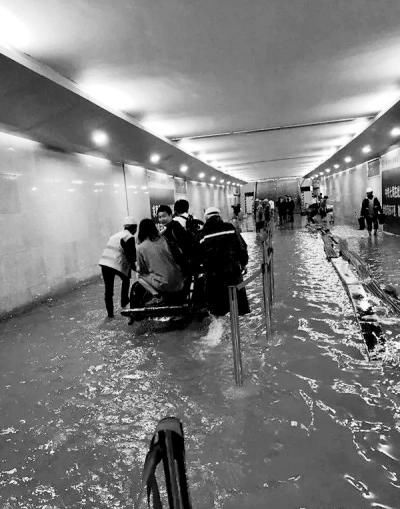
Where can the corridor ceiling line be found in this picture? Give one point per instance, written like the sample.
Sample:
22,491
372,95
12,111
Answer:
259,130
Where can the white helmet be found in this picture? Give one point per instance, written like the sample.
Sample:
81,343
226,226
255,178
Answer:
369,190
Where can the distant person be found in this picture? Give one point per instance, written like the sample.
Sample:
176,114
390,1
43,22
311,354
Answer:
290,206
323,207
237,217
224,254
312,211
370,208
118,258
281,205
267,212
259,217
272,208
159,274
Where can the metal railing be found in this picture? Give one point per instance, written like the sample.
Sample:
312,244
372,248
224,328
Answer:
267,272
167,447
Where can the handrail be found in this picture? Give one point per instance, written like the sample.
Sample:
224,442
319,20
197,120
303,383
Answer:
266,270
248,280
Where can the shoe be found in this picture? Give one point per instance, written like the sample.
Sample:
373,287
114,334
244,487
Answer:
127,306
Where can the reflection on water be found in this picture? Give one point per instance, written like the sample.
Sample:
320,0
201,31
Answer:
315,424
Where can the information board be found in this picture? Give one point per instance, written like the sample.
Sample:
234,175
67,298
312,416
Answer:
391,199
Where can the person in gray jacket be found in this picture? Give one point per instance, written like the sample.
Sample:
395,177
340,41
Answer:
118,259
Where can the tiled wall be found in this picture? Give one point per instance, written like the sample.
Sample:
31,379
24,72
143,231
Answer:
57,211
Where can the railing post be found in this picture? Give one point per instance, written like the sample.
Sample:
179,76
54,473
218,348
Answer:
237,356
266,298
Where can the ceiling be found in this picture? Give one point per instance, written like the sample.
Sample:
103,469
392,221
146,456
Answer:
258,89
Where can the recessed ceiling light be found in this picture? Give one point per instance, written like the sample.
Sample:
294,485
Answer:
395,132
228,182
336,166
201,175
347,159
155,158
183,168
366,149
213,178
100,138
222,181
328,170
321,172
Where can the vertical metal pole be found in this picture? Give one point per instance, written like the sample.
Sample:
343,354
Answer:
265,295
272,282
126,189
237,356
171,475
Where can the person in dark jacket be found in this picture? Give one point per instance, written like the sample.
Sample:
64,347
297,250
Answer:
282,210
370,208
224,255
181,243
290,206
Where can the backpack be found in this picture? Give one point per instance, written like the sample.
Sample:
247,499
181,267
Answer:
193,226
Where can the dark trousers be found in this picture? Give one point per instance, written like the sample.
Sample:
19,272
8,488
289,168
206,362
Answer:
372,221
109,276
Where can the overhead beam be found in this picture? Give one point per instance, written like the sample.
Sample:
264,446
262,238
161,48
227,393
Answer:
252,163
261,130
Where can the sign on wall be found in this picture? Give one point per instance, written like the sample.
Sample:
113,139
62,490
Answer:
391,199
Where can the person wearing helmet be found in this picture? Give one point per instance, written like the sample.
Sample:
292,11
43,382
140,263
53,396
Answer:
118,258
224,255
370,208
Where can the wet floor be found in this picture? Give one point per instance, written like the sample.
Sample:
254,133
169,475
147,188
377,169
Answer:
315,425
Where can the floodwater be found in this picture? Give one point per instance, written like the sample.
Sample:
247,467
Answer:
314,426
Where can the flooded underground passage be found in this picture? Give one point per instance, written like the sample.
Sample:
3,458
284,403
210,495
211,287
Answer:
316,422
199,254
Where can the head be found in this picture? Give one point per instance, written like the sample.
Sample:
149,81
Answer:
212,213
181,207
326,197
147,230
369,192
130,224
164,214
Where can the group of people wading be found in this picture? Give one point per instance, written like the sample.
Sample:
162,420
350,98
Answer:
264,211
168,253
